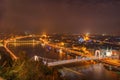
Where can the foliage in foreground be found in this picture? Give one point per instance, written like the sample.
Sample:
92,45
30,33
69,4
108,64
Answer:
29,70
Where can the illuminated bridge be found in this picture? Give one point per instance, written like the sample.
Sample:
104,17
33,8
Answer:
62,62
14,40
24,41
54,63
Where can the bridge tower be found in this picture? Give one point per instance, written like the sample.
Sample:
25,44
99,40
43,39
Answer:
97,53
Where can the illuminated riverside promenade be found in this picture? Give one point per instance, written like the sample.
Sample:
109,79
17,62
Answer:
54,63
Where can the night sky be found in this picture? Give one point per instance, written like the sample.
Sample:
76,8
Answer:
75,16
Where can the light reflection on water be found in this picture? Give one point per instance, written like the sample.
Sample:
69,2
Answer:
32,49
91,72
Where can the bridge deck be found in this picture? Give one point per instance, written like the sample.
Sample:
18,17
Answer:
102,59
71,61
25,41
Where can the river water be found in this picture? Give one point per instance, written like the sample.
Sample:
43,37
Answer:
37,49
90,72
85,72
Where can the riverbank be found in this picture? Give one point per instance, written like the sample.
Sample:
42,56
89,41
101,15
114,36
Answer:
113,62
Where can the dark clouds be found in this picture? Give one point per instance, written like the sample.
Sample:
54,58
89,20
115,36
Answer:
100,16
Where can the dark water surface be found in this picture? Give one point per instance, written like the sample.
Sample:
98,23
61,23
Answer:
36,49
89,72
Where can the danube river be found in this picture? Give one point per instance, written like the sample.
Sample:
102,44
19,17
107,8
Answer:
84,72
